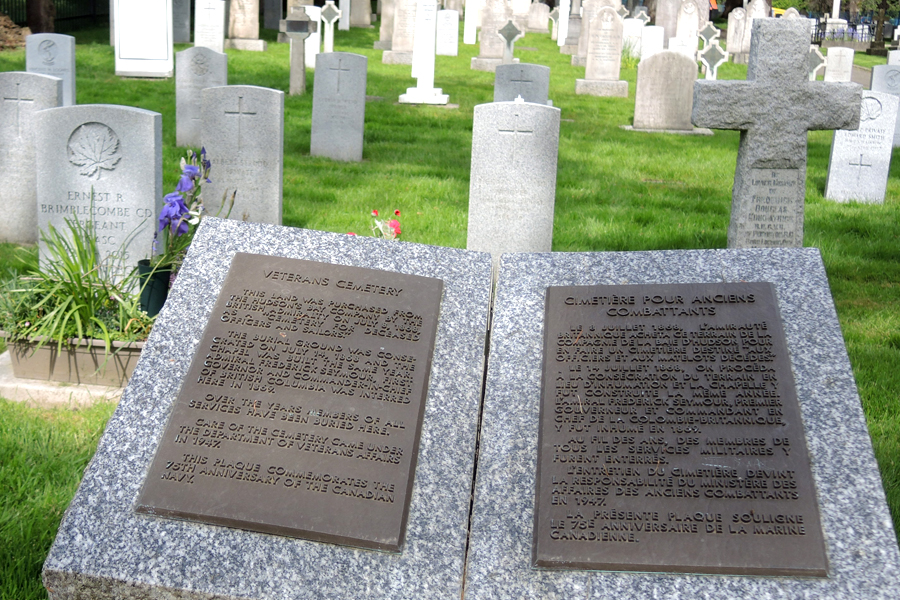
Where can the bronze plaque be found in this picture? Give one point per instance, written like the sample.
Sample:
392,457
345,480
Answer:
301,412
670,435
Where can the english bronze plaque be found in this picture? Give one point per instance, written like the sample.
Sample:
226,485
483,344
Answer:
301,412
670,435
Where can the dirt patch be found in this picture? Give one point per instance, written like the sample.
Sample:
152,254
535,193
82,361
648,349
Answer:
11,35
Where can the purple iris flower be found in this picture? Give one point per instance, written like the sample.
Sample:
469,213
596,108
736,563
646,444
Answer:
172,213
186,183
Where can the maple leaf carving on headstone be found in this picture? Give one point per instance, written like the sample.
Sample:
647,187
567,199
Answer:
94,148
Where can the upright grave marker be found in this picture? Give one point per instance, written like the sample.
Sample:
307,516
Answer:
243,133
688,23
816,62
632,31
361,14
860,160
774,108
313,43
491,50
604,57
144,38
53,54
589,10
515,146
662,97
181,21
101,164
625,422
196,69
734,37
386,29
712,57
652,41
886,78
423,60
573,32
667,18
530,82
298,27
243,26
553,15
447,42
510,34
339,106
330,15
344,23
404,38
839,65
209,24
562,32
470,22
756,9
310,413
272,13
22,95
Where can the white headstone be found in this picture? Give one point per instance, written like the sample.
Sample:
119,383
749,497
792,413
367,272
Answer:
604,57
404,38
473,8
839,65
860,160
243,133
196,69
423,61
144,38
652,41
632,31
314,42
685,46
688,23
53,54
209,24
756,9
886,78
447,33
734,40
664,92
538,17
894,55
565,7
361,14
344,23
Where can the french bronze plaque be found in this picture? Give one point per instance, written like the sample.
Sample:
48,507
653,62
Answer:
670,435
301,412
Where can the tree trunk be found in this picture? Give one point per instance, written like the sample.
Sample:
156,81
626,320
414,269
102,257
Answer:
878,40
40,15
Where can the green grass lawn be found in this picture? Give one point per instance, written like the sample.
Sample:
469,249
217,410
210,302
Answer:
616,190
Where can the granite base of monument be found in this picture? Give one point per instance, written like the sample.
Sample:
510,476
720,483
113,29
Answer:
694,131
104,549
608,400
241,44
487,64
594,87
392,57
424,96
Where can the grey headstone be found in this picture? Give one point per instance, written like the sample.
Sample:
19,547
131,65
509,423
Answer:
886,79
663,92
21,96
196,69
861,544
181,21
496,14
339,106
538,17
531,82
361,14
144,39
114,151
589,10
512,186
734,35
404,34
667,17
447,41
53,54
194,561
209,24
243,26
774,109
243,133
386,30
272,13
572,34
344,23
860,160
604,57
839,65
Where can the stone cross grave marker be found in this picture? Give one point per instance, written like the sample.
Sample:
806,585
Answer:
103,164
816,62
554,17
712,58
510,33
313,43
522,80
209,24
423,59
181,21
53,54
886,78
709,34
622,11
22,95
196,69
330,14
298,27
774,108
339,106
860,160
447,42
839,65
515,146
640,13
243,133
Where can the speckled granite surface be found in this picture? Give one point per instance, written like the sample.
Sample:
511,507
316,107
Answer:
105,550
860,541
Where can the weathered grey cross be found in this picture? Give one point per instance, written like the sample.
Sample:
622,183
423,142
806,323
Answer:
622,11
712,56
773,109
640,13
709,33
240,112
18,100
339,71
298,27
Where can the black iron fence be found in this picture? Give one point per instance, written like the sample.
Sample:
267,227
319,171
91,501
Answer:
69,13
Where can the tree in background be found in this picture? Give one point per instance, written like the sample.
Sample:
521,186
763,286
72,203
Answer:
40,15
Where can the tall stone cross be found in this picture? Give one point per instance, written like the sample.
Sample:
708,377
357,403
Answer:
330,14
298,27
510,33
773,109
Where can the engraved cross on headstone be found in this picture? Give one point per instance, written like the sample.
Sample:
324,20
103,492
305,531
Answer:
339,71
516,130
510,33
240,112
774,108
18,100
860,166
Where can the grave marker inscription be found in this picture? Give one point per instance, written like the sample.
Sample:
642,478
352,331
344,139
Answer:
53,54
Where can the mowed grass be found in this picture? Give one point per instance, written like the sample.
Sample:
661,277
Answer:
616,190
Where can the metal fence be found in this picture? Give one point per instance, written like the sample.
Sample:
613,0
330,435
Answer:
69,13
